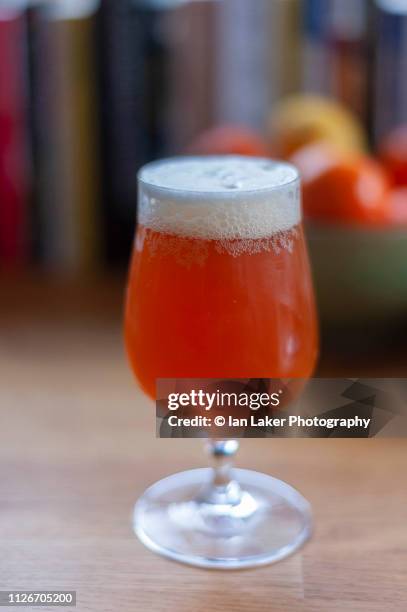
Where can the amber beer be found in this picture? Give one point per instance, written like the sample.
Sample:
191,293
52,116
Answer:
219,284
219,287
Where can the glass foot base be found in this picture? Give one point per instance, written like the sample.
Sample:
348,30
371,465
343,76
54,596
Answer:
268,521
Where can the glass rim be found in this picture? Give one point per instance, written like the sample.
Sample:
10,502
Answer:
186,193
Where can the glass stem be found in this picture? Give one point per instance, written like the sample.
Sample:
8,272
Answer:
223,489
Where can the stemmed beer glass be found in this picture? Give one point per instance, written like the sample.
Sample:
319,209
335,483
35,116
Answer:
220,287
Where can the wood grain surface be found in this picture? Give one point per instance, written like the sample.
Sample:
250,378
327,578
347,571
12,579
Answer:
77,447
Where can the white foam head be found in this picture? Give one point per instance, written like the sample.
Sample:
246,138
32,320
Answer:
219,198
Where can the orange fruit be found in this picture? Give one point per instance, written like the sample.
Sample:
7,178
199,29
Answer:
352,190
393,153
229,140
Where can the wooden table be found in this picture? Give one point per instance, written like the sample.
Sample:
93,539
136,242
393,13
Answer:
77,447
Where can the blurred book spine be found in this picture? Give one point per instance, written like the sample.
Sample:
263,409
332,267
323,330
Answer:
65,112
316,36
241,66
285,53
337,52
128,61
390,65
188,31
14,143
349,51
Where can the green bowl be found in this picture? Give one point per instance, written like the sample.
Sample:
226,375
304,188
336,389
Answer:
360,274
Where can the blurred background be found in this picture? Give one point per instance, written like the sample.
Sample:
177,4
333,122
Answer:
92,89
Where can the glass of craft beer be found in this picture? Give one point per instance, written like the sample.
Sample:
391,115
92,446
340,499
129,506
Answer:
220,287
